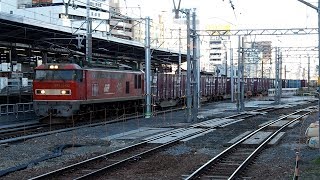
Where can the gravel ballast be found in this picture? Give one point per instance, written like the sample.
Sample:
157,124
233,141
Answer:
275,162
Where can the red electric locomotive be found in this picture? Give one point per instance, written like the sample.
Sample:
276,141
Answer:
63,90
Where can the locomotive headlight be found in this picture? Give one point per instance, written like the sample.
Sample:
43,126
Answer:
63,92
42,91
53,67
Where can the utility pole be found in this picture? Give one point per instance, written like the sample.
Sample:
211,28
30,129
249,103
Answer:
89,35
194,67
148,69
318,11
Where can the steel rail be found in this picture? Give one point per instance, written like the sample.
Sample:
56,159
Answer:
261,146
64,169
21,138
203,168
120,162
18,128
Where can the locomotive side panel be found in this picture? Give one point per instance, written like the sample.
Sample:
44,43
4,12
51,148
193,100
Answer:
113,86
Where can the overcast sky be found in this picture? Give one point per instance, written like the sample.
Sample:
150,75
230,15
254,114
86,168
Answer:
247,13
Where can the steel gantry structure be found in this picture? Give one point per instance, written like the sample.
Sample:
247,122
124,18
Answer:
254,32
251,32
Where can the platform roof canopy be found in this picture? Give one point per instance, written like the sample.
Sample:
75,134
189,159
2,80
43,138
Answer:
31,40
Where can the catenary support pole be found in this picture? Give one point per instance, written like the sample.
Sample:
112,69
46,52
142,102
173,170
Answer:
231,75
242,76
189,98
308,73
198,72
194,68
179,63
262,68
89,35
319,68
148,69
276,86
239,74
285,76
318,11
280,77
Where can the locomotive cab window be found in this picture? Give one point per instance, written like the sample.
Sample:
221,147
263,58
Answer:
137,81
127,87
78,75
54,75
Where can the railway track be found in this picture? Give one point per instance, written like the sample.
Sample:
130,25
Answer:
33,130
98,165
231,162
15,133
111,160
22,129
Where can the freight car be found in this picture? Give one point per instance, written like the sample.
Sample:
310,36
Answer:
293,83
64,90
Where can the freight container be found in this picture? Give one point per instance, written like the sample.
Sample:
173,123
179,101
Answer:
303,83
294,83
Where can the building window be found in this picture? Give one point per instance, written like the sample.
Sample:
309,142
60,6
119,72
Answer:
215,54
215,42
215,59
